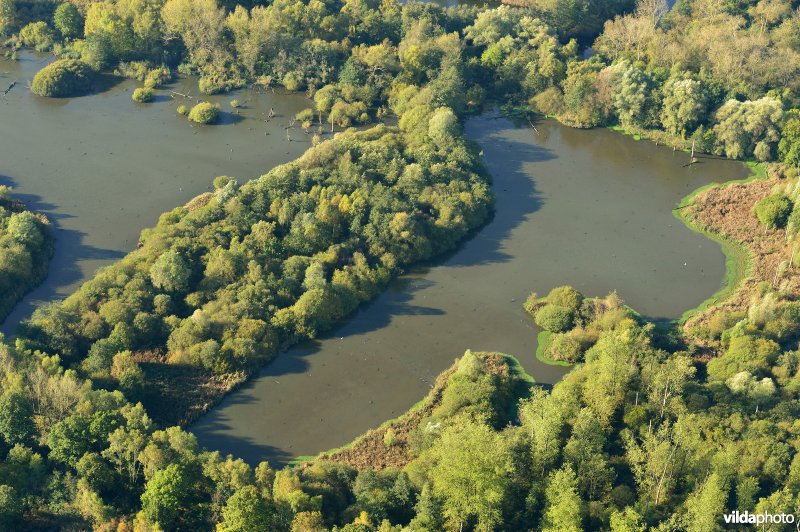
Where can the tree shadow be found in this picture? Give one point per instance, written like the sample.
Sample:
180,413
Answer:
218,434
513,186
64,268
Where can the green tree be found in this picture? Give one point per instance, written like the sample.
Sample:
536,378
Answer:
245,510
748,128
68,21
16,418
706,505
773,211
165,496
8,13
170,272
11,507
471,473
789,145
563,504
685,105
635,101
627,520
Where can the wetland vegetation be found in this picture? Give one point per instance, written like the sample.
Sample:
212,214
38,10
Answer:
648,429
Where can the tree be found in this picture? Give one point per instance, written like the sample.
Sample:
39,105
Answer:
443,127
563,504
553,318
170,272
471,473
68,21
706,505
773,211
11,507
684,106
16,418
635,102
165,496
245,510
627,520
789,145
748,128
8,13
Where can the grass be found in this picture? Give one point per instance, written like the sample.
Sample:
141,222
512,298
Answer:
738,263
543,340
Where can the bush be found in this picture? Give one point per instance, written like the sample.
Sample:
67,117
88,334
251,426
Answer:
565,296
143,95
554,318
182,110
204,113
565,347
37,35
60,79
235,104
773,211
157,77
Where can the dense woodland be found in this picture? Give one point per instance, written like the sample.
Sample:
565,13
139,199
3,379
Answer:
26,245
643,432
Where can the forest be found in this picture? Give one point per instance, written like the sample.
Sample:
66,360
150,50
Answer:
662,428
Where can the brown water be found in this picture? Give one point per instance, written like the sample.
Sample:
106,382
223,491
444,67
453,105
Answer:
587,208
103,168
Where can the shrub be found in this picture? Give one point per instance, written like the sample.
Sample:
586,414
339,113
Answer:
553,318
565,296
235,104
204,113
565,347
37,35
143,95
157,77
390,437
67,77
182,110
773,211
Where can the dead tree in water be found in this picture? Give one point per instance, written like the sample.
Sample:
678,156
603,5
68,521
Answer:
186,96
6,91
13,84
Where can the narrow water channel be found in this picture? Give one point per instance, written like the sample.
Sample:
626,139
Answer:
103,168
587,208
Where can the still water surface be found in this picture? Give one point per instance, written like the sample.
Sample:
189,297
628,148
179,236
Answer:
587,208
103,168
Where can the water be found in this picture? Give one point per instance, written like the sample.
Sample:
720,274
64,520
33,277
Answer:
103,168
587,208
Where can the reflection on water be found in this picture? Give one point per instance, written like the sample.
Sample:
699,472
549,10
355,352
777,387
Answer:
103,168
587,208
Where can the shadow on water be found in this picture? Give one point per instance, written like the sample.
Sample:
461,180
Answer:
515,194
63,268
248,449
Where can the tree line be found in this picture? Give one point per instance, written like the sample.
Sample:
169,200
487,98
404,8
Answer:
26,245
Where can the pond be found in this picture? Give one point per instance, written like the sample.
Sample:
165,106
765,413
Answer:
103,167
588,208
